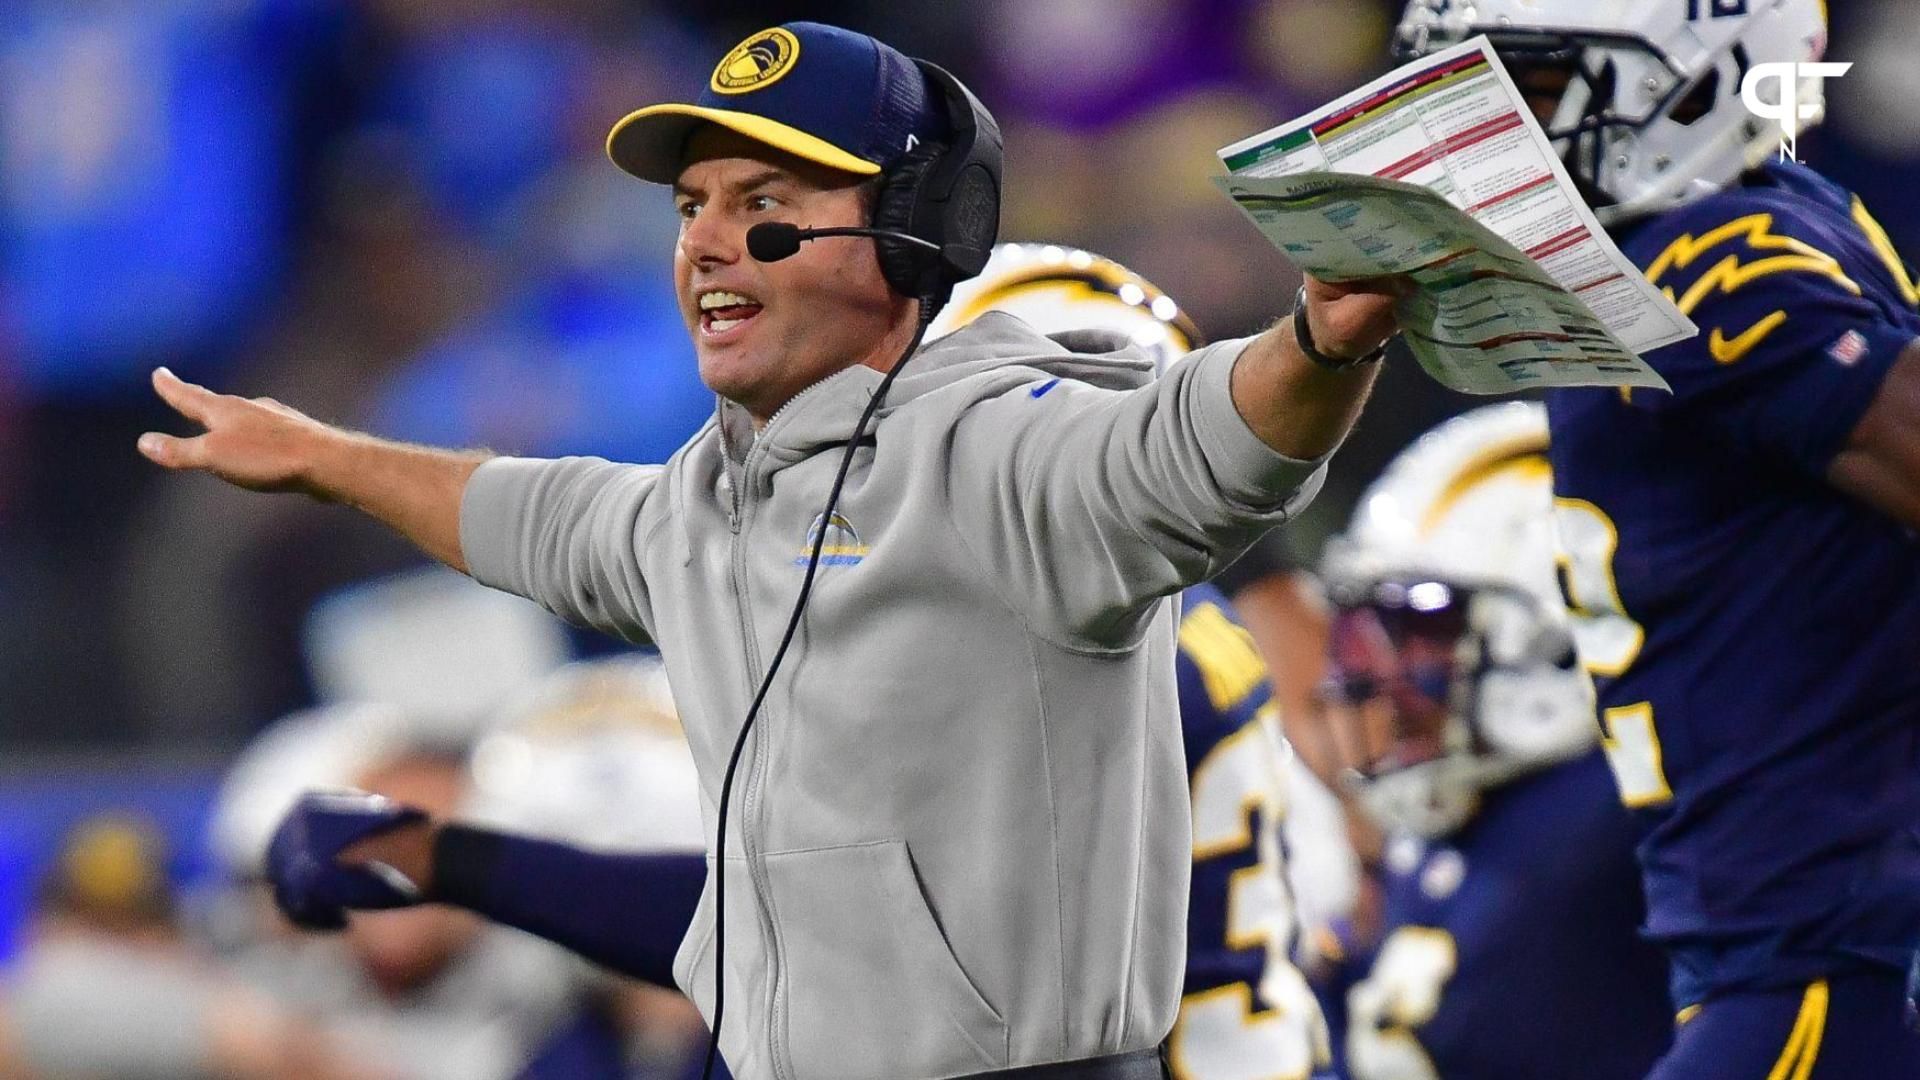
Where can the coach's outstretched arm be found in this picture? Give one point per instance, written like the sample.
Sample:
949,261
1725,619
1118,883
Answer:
262,445
1085,508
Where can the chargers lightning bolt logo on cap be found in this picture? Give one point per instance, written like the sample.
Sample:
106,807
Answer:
757,62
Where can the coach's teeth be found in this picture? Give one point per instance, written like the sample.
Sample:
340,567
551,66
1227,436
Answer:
721,326
711,300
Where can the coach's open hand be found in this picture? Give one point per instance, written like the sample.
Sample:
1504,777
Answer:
256,443
262,445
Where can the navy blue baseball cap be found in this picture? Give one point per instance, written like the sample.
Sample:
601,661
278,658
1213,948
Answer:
831,96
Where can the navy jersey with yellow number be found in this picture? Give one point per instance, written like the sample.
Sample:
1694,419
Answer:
1245,1012
1753,632
1511,948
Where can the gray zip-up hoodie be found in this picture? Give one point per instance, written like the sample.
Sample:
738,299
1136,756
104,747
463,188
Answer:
959,835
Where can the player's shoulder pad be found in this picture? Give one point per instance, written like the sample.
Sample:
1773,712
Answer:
1771,240
1758,268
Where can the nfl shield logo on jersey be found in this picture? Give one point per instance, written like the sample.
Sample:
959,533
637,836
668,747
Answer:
1848,349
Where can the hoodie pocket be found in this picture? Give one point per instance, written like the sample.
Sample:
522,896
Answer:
743,1037
872,990
690,961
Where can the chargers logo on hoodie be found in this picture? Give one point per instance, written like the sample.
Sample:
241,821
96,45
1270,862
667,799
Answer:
843,546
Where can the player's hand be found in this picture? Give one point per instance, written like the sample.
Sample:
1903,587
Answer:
256,443
1352,318
312,884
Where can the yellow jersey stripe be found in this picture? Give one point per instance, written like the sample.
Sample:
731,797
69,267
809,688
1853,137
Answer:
1730,273
1883,246
1231,666
1803,1044
1817,999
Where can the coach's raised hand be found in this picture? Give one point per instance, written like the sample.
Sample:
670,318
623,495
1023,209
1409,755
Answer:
261,445
1352,318
1303,407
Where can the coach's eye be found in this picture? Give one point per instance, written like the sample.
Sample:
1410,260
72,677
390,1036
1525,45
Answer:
762,203
687,210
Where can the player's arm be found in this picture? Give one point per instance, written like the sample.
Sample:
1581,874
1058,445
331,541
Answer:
1880,463
1799,362
626,911
262,445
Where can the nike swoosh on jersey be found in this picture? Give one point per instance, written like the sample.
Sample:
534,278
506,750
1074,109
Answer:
1727,352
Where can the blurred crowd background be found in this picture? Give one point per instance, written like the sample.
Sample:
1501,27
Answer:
396,215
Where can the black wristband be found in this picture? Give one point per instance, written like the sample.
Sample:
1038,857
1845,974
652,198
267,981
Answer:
463,862
1303,334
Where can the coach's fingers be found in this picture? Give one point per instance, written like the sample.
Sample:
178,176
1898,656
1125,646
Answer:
1398,286
190,401
172,452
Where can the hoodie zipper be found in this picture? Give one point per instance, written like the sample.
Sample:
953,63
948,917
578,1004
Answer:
752,797
736,510
750,848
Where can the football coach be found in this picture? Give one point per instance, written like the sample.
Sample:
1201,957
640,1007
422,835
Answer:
954,838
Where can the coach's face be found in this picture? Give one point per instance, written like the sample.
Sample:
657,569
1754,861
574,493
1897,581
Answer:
765,331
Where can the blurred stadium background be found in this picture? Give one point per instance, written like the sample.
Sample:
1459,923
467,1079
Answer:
395,214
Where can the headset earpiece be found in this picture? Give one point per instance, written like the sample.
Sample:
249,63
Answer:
910,269
948,195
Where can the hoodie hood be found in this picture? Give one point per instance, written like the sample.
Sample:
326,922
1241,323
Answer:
996,340
995,352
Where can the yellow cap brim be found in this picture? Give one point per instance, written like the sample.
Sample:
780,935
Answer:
650,142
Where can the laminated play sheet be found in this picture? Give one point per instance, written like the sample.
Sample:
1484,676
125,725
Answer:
1439,171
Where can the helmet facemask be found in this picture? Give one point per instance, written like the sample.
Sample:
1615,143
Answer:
1441,691
1651,115
1578,83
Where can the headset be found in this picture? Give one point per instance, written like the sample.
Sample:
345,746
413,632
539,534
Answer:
938,212
935,222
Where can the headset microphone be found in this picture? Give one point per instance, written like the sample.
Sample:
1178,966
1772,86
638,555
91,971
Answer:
771,241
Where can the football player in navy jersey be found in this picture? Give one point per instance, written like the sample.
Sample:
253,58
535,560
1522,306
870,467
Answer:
1740,554
1511,907
1246,1010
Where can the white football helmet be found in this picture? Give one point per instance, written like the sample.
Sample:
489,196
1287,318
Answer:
1652,115
321,748
1058,289
387,640
594,754
1452,655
